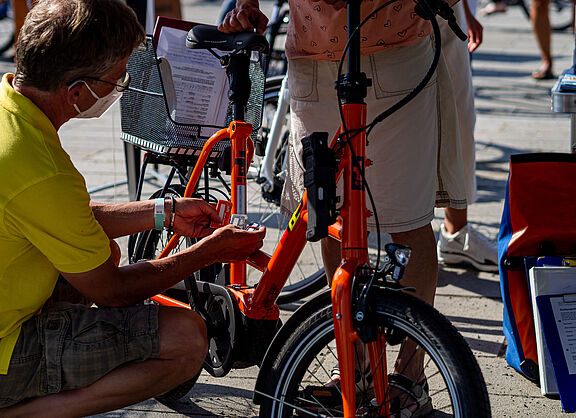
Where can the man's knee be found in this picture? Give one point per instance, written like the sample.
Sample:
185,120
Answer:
115,252
424,233
182,337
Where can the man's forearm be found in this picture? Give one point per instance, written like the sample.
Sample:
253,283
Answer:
123,219
136,282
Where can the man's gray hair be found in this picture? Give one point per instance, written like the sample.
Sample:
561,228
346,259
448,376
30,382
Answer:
63,40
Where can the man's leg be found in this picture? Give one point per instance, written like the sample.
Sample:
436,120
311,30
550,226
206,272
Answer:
331,256
455,219
422,269
421,273
542,31
183,346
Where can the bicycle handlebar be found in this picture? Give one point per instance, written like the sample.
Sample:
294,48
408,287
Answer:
208,36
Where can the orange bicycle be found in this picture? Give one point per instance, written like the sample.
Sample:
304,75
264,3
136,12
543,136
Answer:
360,329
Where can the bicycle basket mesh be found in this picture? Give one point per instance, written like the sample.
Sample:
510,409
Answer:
146,122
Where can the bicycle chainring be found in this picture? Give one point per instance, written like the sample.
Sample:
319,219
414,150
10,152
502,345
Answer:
223,319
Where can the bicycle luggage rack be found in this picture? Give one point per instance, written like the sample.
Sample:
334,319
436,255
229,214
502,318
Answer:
147,123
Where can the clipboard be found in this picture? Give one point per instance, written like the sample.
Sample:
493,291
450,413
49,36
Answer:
195,83
170,22
550,279
558,315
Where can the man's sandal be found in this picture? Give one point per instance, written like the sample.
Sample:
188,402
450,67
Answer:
329,394
414,402
363,381
543,75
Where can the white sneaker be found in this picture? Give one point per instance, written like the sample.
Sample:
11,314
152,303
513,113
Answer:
467,246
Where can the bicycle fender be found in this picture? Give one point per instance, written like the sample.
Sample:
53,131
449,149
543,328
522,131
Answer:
302,313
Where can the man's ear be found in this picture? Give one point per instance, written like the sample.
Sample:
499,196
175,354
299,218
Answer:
73,92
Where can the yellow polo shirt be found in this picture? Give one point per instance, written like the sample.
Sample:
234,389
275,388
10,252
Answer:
46,224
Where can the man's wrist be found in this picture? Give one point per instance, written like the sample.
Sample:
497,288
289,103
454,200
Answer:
170,203
164,212
159,213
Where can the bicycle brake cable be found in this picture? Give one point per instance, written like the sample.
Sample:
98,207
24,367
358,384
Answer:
392,109
346,133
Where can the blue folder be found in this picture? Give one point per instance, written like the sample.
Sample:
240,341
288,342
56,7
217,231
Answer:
566,382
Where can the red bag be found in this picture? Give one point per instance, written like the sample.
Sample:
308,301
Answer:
539,218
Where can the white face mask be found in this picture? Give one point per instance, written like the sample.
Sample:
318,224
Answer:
101,105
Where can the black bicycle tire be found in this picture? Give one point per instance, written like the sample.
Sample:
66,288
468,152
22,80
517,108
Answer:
562,26
299,290
144,241
7,45
179,391
317,280
8,42
424,322
273,31
558,27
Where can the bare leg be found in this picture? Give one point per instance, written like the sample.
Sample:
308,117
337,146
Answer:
331,255
116,253
541,27
422,269
421,273
455,219
183,347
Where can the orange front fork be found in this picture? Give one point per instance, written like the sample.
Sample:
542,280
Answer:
354,255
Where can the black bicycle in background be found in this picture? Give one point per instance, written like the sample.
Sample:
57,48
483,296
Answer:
560,12
6,26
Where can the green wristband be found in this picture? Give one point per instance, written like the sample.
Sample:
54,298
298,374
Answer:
159,215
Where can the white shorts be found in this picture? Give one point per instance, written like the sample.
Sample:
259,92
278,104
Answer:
415,152
458,62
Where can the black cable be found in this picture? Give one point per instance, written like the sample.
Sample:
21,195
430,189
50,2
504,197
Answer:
392,109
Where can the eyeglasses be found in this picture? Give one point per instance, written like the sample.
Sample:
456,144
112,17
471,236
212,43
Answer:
121,84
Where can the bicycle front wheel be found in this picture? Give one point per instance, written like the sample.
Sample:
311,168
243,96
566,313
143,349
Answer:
306,365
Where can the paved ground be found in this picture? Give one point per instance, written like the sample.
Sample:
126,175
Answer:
513,117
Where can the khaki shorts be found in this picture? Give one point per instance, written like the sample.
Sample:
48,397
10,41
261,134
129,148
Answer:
72,346
408,177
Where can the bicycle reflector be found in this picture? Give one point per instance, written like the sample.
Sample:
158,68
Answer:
320,181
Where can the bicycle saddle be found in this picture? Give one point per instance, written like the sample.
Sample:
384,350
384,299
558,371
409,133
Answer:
208,36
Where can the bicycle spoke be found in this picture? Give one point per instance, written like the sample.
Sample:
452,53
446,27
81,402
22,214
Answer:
446,367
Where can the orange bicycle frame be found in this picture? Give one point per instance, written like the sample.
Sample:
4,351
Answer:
260,302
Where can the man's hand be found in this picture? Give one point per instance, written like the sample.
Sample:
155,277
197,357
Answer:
193,217
109,285
246,17
231,244
475,29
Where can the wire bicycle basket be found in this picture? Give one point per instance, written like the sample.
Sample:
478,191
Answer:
147,122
